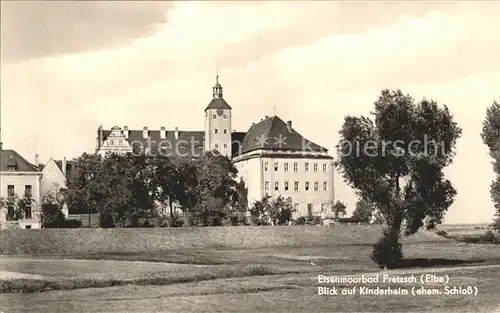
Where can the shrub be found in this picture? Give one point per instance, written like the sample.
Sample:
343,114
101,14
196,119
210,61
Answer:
300,221
489,237
106,221
442,233
71,224
387,252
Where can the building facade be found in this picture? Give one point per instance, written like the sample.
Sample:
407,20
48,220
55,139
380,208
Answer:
19,179
271,156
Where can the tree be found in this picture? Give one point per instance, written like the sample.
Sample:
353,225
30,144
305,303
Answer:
338,208
51,207
240,204
280,210
116,186
216,189
259,211
491,138
363,211
396,161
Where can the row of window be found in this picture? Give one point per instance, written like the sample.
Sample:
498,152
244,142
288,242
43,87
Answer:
217,146
296,186
217,130
296,167
224,116
28,191
27,212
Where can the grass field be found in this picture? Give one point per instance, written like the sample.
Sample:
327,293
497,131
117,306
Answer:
263,275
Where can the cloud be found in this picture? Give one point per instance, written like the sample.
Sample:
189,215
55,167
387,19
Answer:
33,29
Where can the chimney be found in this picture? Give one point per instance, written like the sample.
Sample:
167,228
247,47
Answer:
101,136
37,160
162,132
125,131
176,132
266,117
64,166
253,124
289,126
145,132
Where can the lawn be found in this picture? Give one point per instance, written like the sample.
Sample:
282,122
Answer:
277,275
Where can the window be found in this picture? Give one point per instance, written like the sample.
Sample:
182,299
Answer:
315,167
295,167
296,207
225,130
275,166
285,167
214,116
28,226
316,188
307,185
276,186
10,191
266,166
216,146
28,191
296,186
286,186
111,142
266,185
225,145
309,209
224,116
306,167
27,213
324,168
216,130
325,186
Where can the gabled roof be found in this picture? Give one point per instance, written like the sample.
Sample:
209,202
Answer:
273,133
218,103
10,160
188,144
69,165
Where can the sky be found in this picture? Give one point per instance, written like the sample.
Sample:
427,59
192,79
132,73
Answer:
68,67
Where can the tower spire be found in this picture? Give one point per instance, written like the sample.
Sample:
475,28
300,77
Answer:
217,89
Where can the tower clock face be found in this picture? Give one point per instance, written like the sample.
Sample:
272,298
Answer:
219,112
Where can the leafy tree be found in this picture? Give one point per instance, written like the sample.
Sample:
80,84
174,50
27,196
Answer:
216,189
259,211
83,194
173,180
240,204
338,208
491,138
396,162
280,210
363,211
51,207
116,186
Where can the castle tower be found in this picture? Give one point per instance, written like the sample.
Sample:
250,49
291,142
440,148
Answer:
218,123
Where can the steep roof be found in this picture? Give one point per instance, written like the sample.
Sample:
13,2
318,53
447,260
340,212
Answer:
188,144
69,165
11,159
218,103
273,133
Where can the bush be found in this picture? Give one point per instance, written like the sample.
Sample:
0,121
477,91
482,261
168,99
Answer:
300,221
387,252
71,224
106,221
489,237
442,233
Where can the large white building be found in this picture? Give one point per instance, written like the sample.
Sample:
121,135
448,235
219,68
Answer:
21,179
271,156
